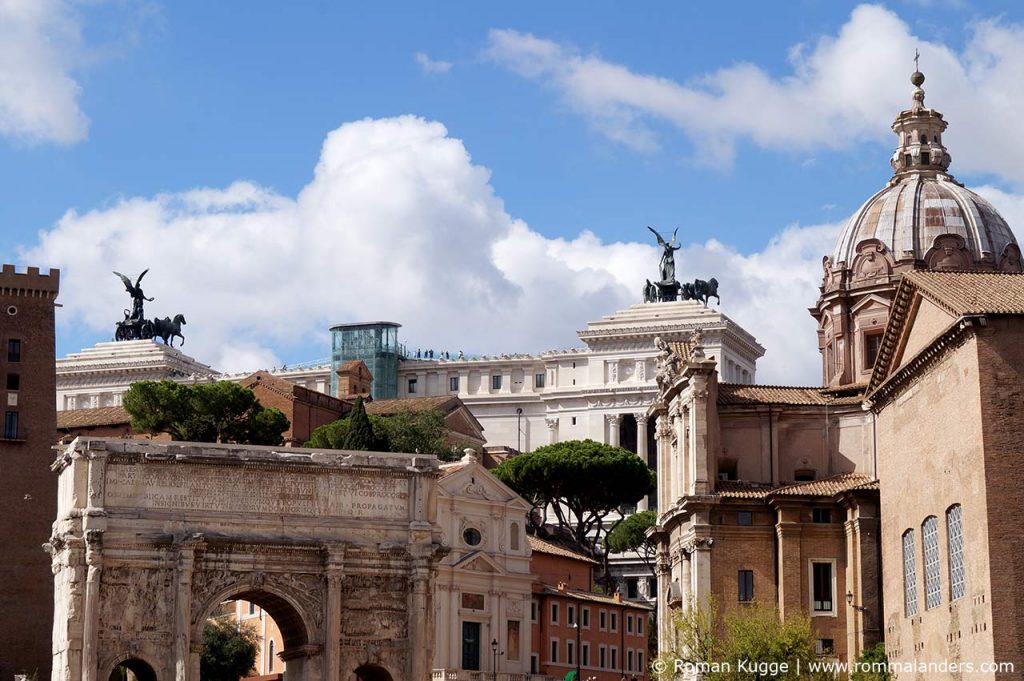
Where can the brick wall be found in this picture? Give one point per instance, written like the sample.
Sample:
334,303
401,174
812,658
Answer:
931,456
28,496
1001,359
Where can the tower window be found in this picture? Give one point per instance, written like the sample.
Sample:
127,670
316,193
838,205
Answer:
924,139
13,381
925,158
908,160
11,425
14,350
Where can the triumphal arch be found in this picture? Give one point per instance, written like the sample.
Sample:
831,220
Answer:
340,548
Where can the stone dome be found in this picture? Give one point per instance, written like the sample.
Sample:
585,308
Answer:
917,216
923,217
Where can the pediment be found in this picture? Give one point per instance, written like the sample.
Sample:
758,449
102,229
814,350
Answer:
926,322
462,422
473,481
477,561
871,301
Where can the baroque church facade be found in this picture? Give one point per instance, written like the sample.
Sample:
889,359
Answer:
881,504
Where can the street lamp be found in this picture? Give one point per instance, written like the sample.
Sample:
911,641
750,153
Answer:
494,658
849,601
579,651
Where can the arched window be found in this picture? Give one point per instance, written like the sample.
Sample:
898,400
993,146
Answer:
514,536
270,658
955,534
932,579
924,139
909,574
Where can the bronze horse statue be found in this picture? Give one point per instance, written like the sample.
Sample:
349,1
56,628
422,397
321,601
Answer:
166,329
701,290
705,290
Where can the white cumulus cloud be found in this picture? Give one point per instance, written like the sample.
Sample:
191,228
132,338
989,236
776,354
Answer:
398,223
841,90
38,96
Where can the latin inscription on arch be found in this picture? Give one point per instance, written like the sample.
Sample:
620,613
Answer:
190,487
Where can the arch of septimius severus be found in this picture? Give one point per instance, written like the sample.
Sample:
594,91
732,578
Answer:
339,548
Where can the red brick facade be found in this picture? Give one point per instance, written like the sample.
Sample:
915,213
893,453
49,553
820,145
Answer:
611,640
28,496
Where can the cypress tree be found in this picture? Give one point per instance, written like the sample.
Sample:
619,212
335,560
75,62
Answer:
360,436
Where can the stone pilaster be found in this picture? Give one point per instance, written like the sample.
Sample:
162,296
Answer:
421,622
663,429
864,628
641,449
679,471
700,567
614,422
90,633
664,613
334,573
788,529
552,424
183,607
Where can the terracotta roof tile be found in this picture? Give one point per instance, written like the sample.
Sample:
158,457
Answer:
595,598
739,489
292,391
827,487
87,418
843,482
544,546
969,293
443,403
739,394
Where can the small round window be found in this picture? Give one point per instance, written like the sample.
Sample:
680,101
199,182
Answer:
11,310
471,536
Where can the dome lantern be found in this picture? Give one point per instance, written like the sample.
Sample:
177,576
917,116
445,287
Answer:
919,130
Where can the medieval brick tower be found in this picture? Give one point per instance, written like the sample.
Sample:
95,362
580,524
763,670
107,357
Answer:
28,497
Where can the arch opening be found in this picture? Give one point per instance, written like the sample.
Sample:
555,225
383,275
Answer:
278,625
132,669
372,672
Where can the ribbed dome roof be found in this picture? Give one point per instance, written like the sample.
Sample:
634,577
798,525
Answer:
909,216
923,216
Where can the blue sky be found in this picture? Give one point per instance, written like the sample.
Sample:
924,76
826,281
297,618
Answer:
190,137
